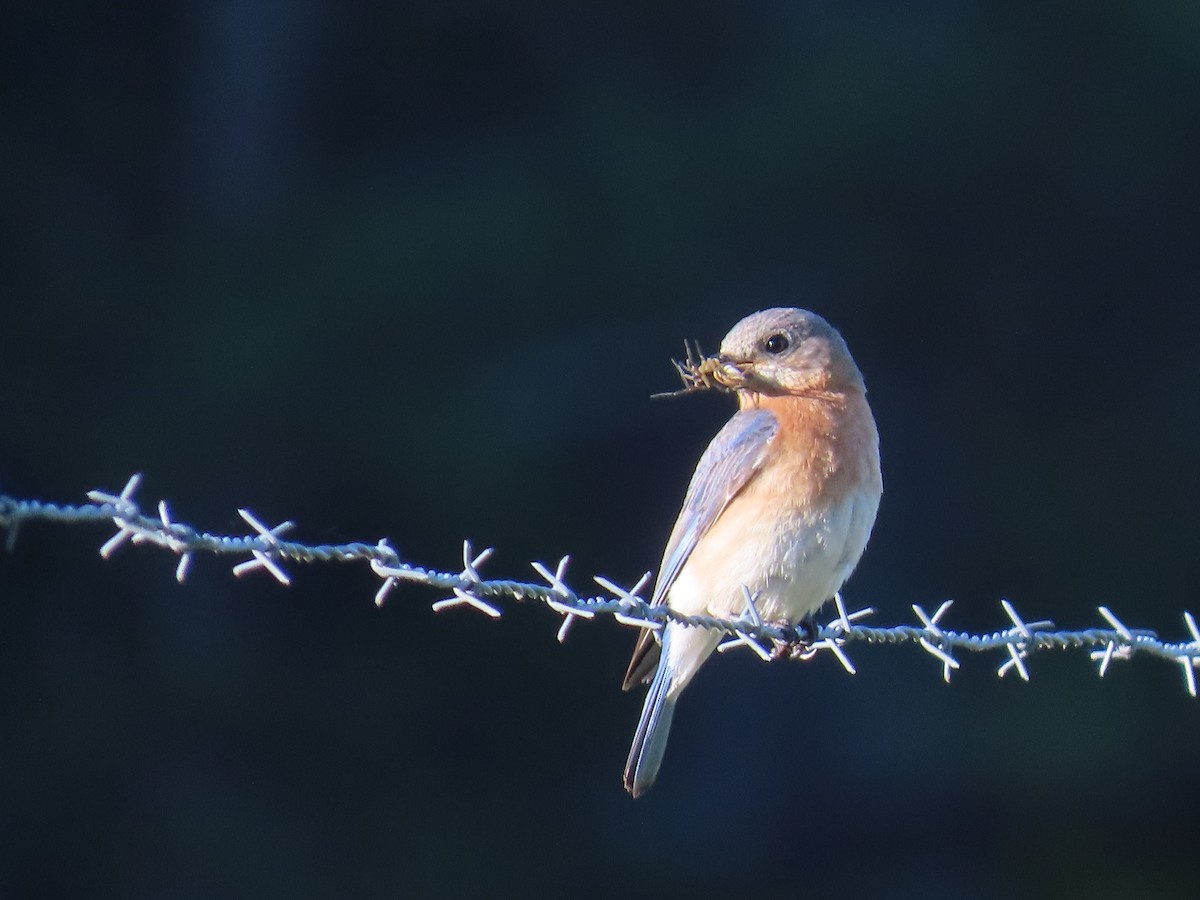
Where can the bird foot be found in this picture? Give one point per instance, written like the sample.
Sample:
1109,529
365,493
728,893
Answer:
797,642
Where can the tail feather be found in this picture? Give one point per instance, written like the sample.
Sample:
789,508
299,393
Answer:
650,739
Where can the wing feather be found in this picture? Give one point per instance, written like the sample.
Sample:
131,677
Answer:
731,460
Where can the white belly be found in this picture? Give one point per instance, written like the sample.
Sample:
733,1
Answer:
794,562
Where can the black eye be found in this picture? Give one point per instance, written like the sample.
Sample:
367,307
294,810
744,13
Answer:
777,343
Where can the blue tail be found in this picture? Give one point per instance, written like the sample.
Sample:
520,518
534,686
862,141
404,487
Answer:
650,739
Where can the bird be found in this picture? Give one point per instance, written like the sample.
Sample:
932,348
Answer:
781,506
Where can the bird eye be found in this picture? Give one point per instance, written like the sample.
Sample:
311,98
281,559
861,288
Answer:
777,343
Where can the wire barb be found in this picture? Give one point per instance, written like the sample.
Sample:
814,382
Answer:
751,618
1119,648
384,571
126,509
173,543
555,579
1018,651
1191,659
630,600
471,563
262,558
937,649
462,598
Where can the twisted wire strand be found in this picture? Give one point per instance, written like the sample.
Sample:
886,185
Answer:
264,548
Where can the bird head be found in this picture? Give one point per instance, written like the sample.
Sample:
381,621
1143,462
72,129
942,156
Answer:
786,351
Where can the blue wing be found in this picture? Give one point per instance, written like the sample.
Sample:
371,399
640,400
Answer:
735,454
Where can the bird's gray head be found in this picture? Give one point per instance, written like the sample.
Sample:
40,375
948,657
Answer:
787,351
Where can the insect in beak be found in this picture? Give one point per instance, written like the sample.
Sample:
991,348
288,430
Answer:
704,373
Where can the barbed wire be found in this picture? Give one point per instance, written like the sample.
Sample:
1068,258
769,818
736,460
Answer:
264,549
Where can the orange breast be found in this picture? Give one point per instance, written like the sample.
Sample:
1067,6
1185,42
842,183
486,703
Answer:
828,446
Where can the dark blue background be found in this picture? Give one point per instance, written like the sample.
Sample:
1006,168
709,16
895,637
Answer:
414,272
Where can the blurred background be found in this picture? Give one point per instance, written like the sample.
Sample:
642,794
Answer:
414,271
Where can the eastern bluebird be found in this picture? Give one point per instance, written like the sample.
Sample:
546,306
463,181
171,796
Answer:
782,503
